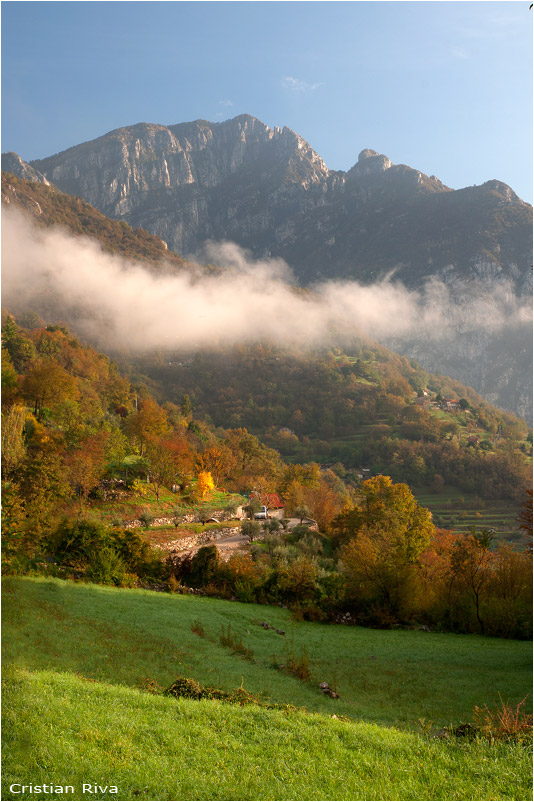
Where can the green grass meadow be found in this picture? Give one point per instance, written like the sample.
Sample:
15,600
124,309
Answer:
78,660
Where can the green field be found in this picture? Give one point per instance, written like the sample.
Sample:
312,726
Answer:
78,660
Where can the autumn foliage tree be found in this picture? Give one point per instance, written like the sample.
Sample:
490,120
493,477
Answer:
382,538
204,484
47,383
148,425
256,467
471,585
86,465
169,459
13,448
218,459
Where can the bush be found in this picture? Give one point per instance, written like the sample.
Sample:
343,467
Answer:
174,585
87,545
146,518
380,618
107,568
204,515
251,529
310,544
505,722
139,488
137,554
74,542
191,689
245,591
204,566
272,526
308,611
180,567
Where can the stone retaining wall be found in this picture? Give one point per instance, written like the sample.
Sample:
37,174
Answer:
218,517
200,539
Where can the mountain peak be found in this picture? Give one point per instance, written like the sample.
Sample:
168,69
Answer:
370,162
366,153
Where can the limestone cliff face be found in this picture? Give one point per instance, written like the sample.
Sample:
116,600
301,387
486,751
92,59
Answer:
193,181
267,190
12,163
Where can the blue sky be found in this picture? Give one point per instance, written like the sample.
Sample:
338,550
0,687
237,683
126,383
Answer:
445,87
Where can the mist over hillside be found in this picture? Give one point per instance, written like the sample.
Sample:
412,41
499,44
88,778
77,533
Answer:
247,300
119,303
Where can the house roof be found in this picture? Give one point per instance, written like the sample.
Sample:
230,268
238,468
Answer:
272,501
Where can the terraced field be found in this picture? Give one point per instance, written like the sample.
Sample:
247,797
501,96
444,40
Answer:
460,512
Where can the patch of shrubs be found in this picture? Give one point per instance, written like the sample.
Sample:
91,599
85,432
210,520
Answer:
198,570
275,572
187,688
505,722
102,555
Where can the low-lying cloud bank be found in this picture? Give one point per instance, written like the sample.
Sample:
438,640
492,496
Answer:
122,304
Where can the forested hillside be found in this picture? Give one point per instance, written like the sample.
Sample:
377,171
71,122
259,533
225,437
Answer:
367,409
91,460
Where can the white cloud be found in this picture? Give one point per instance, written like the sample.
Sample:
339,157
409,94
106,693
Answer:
225,103
123,304
296,85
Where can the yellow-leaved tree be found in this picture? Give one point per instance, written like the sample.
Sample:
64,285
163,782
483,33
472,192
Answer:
205,483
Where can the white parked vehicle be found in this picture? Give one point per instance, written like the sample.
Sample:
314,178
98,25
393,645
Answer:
262,514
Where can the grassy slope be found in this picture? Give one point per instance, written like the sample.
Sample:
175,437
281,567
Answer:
58,635
158,748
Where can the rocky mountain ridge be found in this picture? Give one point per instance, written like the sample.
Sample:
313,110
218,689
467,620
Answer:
268,191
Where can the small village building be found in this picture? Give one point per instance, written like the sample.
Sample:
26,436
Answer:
450,404
273,501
